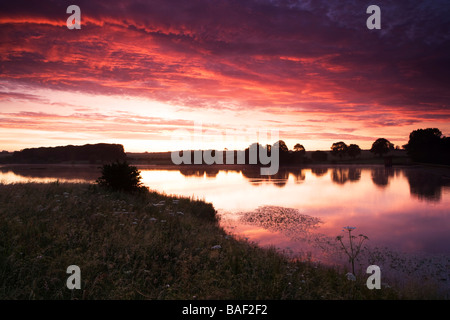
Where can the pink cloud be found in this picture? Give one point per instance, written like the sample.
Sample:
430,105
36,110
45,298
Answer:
267,57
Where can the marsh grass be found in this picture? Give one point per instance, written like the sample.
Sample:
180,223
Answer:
144,246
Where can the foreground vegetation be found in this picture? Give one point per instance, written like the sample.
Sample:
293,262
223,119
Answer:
146,246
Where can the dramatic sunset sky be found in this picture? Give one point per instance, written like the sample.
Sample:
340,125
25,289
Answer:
139,70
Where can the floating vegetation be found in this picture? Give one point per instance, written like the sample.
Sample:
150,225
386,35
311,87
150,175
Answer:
288,221
408,268
403,269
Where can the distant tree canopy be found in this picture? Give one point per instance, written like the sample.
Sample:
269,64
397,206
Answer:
339,149
428,145
381,146
256,148
102,152
299,148
281,145
353,150
299,154
286,156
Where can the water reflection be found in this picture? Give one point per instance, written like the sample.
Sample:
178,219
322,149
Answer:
255,178
424,184
49,173
208,172
380,176
299,175
319,171
342,175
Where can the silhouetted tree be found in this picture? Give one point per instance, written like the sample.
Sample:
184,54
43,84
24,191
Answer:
120,176
381,146
299,148
252,153
353,150
339,149
428,145
284,155
299,153
281,145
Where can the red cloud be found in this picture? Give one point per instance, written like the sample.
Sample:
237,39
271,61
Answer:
249,55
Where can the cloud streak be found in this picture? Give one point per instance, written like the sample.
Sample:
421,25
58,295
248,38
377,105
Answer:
288,57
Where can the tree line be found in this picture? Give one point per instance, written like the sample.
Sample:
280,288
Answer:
92,153
424,146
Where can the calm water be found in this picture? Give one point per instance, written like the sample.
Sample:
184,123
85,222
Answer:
406,210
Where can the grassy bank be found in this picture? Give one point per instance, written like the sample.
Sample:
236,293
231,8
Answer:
146,246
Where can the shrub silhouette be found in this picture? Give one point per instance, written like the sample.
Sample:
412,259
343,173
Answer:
120,176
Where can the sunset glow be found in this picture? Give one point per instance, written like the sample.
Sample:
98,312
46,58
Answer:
137,71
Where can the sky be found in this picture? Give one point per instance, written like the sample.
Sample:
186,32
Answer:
149,74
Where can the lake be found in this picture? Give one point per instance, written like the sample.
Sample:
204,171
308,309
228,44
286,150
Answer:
404,211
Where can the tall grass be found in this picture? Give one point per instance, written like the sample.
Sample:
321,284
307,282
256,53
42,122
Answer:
144,246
